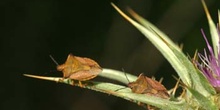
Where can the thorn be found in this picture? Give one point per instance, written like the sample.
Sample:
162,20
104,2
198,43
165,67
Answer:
206,10
175,87
195,57
56,79
183,93
218,17
123,14
161,80
181,46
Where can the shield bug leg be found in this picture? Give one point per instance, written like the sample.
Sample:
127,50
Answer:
80,84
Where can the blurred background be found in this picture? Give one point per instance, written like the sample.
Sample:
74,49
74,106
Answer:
31,30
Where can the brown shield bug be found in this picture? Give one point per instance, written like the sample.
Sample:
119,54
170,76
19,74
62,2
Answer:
146,85
79,68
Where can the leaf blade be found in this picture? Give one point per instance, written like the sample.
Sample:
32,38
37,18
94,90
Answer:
183,66
126,93
202,100
162,47
213,30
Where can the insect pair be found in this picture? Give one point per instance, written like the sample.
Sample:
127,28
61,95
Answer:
83,69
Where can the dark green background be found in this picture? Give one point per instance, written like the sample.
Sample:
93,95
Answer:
31,30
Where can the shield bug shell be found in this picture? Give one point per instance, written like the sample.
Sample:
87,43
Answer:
79,68
145,85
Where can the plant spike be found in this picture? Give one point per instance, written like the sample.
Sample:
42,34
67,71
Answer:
213,31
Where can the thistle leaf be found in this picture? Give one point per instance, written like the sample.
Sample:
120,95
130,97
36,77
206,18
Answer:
213,30
117,75
206,83
200,83
162,47
170,51
152,28
116,90
203,101
191,69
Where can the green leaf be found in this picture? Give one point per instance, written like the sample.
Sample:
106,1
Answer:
119,91
206,83
199,82
117,75
152,28
218,18
171,52
213,30
163,48
202,100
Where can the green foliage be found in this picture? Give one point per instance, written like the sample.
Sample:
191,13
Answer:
118,90
199,93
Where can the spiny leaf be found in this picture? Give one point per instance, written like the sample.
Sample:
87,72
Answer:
152,28
199,82
213,30
125,93
206,83
162,47
189,66
117,75
202,100
171,52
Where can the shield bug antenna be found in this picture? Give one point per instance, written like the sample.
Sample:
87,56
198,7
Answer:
54,60
125,75
126,78
52,71
51,57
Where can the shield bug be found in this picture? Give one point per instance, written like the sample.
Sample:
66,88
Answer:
79,68
146,85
